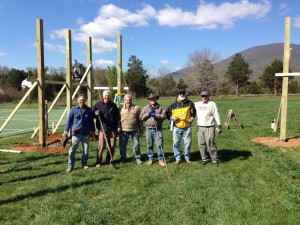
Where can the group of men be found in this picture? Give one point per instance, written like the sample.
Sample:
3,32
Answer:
129,121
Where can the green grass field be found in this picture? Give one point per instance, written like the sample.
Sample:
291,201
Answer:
254,184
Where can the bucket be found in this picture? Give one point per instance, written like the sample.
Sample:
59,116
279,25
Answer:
272,125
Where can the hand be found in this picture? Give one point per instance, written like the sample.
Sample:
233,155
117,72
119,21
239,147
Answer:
191,119
97,113
140,132
65,133
219,129
152,112
119,130
173,118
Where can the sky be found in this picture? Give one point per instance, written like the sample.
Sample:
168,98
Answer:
161,33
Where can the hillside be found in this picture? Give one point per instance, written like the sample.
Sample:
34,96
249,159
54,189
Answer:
258,57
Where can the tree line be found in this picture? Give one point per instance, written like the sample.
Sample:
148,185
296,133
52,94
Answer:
200,75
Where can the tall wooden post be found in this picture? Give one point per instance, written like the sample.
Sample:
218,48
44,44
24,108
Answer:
41,81
90,74
285,81
68,70
119,68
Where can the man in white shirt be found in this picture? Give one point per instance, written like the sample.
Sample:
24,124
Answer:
207,115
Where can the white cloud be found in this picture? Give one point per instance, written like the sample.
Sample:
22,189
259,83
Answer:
58,34
296,22
55,48
211,16
164,62
103,62
2,54
80,21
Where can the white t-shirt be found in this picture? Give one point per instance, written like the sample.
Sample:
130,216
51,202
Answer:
207,113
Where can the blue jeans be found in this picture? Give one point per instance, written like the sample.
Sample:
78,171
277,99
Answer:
134,138
186,134
76,139
155,136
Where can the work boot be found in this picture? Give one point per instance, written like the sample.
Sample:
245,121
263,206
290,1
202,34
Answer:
150,162
98,165
70,169
139,162
162,163
188,161
85,167
177,162
204,162
216,163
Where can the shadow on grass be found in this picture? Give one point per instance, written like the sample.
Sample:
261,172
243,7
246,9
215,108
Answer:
26,178
226,155
54,190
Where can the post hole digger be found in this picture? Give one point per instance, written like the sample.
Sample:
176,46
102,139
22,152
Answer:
97,114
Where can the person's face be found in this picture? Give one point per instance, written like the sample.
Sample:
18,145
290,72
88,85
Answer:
153,101
181,94
204,98
106,98
128,101
81,101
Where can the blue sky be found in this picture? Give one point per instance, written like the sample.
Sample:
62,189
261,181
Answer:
161,33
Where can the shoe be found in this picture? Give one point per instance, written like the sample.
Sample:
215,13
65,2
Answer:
85,167
70,169
139,162
177,162
162,163
123,161
216,163
98,165
188,161
150,162
204,162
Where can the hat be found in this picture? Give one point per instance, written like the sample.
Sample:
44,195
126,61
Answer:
151,96
180,90
205,93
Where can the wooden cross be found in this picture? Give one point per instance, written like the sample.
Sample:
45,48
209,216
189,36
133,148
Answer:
285,80
232,115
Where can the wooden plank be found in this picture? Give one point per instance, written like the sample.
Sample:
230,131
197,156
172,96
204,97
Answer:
287,74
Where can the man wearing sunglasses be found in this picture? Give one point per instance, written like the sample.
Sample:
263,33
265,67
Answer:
207,115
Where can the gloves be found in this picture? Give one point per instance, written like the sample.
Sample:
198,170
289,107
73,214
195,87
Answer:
191,119
97,113
219,129
174,118
152,112
64,140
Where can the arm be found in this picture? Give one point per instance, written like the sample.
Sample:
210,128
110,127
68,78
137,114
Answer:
144,115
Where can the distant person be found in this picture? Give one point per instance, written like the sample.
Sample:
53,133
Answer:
207,115
110,116
76,71
153,114
182,113
80,119
129,128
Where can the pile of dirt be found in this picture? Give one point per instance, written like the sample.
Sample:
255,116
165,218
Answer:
53,145
292,142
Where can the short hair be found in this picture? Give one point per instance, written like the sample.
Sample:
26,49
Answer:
127,96
80,95
106,92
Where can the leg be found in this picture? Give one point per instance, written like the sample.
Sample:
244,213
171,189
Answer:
122,145
72,151
202,143
101,146
111,138
85,149
134,137
211,145
187,139
159,145
149,137
177,134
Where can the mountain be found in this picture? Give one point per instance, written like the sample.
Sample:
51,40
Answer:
258,58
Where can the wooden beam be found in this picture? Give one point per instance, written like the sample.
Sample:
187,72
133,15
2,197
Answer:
90,74
119,66
287,74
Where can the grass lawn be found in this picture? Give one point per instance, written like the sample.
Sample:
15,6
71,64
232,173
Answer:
254,184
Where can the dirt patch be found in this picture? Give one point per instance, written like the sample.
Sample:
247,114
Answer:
292,142
53,145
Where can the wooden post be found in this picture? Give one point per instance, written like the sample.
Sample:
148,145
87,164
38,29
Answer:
285,81
68,70
119,68
89,75
41,86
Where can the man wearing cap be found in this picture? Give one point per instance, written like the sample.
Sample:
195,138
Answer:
182,113
207,115
109,114
129,126
153,114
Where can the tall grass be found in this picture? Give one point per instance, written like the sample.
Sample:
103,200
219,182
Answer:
254,184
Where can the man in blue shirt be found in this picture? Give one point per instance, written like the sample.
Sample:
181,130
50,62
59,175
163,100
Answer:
80,121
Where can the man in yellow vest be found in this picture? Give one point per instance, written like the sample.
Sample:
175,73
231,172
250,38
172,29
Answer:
182,113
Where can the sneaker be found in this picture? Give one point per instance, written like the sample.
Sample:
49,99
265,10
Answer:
177,162
204,162
162,163
139,162
70,169
188,161
85,167
98,165
150,162
216,163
